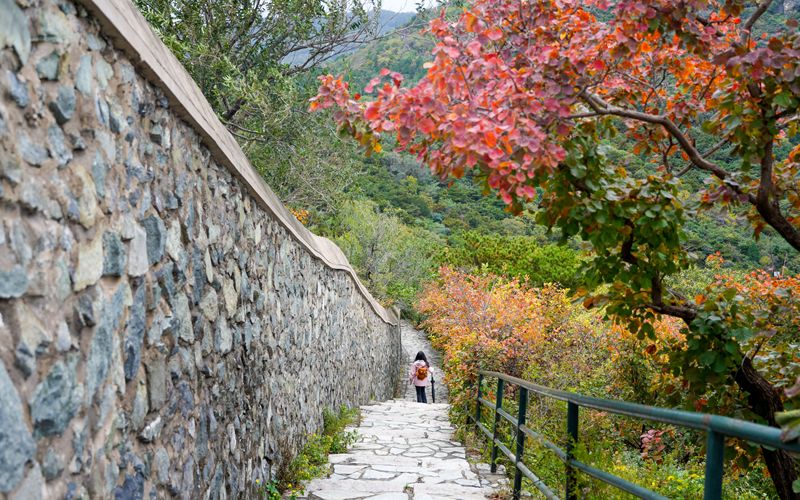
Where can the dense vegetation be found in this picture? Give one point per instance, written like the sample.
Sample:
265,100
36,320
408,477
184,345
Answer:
312,461
492,322
398,222
625,124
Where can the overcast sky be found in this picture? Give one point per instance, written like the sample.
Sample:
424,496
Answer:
400,5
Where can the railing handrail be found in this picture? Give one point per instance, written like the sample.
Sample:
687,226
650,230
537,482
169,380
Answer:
717,428
750,431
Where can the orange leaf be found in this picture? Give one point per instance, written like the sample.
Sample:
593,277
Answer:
471,21
372,112
490,138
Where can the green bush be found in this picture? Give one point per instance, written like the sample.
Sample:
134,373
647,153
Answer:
312,461
523,257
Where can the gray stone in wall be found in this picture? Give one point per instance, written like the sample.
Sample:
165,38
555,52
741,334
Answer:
114,256
84,311
174,245
131,489
32,487
63,285
19,243
223,338
33,153
57,145
140,407
99,169
14,30
55,401
63,106
137,255
134,337
151,431
209,305
10,170
198,273
54,26
157,381
34,338
167,283
100,348
63,340
18,446
18,90
156,238
104,73
83,77
47,67
13,282
183,319
33,195
52,465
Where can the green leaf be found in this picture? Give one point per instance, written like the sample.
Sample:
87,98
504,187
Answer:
784,99
708,357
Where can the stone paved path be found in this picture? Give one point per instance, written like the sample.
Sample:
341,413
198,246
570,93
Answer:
406,450
414,341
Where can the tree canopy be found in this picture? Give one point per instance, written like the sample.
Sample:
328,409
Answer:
252,59
524,93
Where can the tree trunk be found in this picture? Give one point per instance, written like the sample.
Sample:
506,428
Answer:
765,401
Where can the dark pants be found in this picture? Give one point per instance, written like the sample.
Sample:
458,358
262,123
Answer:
421,394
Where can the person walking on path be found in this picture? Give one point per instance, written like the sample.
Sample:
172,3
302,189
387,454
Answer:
420,375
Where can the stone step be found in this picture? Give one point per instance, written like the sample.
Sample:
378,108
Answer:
404,450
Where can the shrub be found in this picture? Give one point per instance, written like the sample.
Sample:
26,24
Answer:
312,461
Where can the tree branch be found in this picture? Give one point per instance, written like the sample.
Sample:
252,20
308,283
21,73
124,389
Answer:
762,8
601,107
767,202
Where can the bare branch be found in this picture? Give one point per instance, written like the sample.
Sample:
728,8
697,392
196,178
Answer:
603,108
762,8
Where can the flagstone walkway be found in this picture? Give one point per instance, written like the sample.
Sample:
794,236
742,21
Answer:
414,341
406,450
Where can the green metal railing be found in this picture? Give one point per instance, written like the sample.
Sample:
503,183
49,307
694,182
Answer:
716,427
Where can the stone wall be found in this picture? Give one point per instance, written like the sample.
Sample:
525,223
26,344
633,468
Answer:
161,332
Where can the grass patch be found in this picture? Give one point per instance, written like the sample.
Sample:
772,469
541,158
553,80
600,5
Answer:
312,461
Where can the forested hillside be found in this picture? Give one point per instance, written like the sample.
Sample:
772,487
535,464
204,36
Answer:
638,257
262,96
418,200
657,139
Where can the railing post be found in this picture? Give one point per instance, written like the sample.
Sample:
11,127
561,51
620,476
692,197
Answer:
523,410
572,439
498,405
715,447
478,403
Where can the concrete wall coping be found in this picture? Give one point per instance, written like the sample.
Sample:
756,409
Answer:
129,30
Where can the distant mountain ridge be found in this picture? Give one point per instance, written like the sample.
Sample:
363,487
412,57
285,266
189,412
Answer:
386,22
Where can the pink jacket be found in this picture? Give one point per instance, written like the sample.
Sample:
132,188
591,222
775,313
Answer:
412,374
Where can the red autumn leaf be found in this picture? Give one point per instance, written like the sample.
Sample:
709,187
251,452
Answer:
494,34
427,126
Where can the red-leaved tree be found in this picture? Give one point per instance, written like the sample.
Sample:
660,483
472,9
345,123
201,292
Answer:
524,91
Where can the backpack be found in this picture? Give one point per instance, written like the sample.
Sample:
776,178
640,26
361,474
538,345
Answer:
422,373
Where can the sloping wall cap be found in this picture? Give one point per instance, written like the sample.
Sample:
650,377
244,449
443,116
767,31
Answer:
130,31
